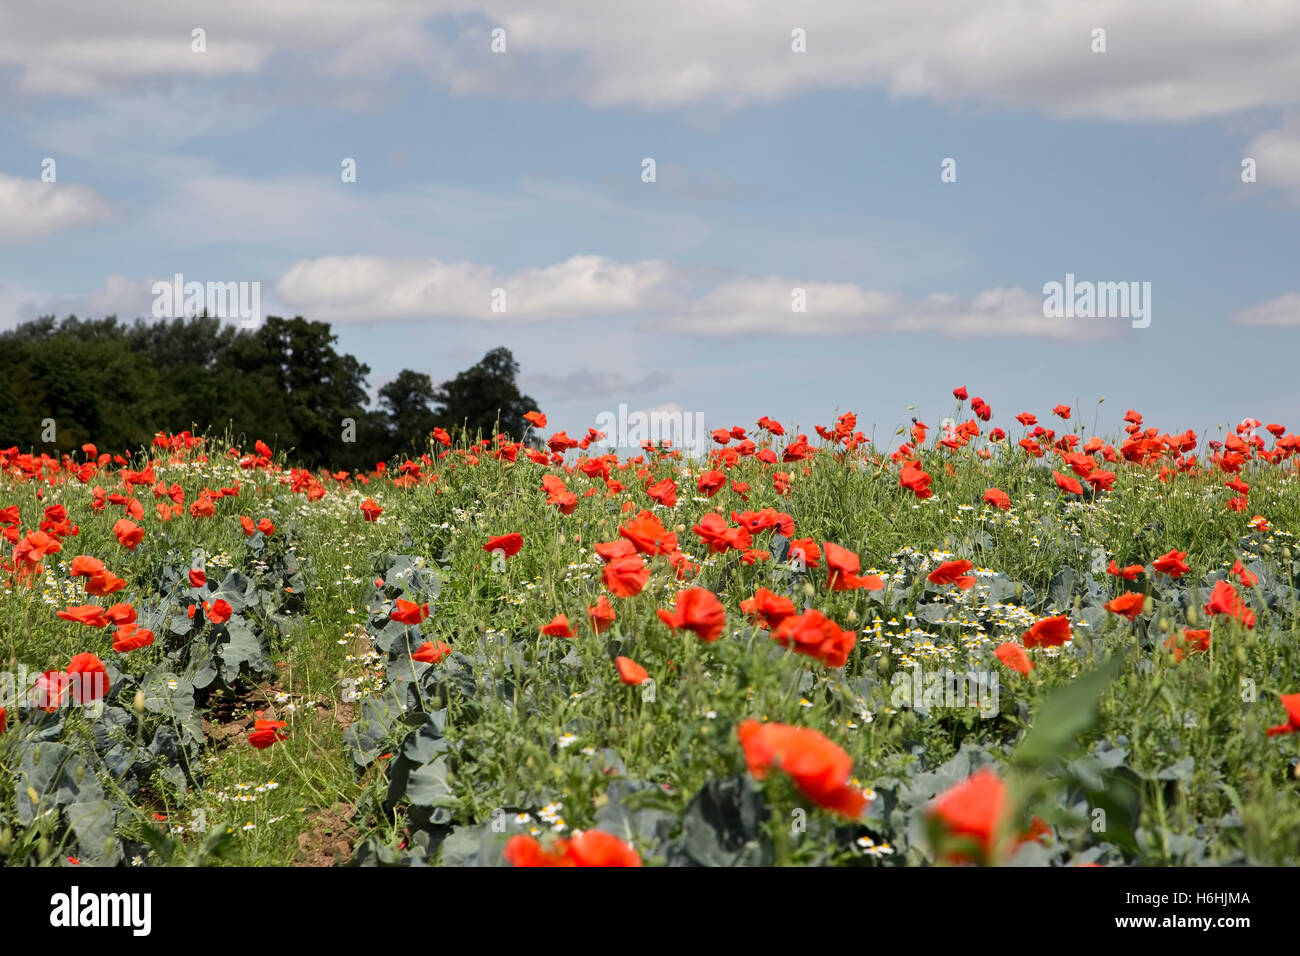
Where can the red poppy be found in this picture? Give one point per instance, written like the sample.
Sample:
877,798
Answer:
266,732
953,572
971,816
558,627
601,614
842,567
266,527
915,479
1066,483
697,610
630,672
1129,604
1188,642
998,499
1172,564
247,524
120,614
128,533
767,608
815,635
89,678
625,576
370,510
104,583
1128,573
647,534
50,691
805,550
4,719
1292,704
1247,578
219,612
92,615
589,848
1013,656
84,566
1049,632
197,578
536,419
430,653
131,637
1224,599
818,767
509,543
408,612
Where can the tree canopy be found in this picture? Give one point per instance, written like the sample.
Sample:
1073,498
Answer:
116,385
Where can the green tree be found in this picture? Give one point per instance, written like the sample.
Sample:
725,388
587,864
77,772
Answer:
484,398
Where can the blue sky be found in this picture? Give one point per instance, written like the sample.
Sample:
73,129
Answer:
819,170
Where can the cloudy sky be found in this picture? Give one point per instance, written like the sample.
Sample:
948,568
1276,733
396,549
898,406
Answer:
775,170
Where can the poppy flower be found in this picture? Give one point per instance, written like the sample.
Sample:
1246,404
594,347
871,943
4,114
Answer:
430,653
1049,632
219,612
266,732
1247,578
805,550
1066,483
370,510
92,615
959,393
630,672
625,576
558,627
589,848
1292,704
128,533
120,614
767,608
609,550
509,543
84,566
50,691
104,583
89,678
664,492
601,614
1172,564
1128,573
971,817
953,572
4,719
247,524
1129,604
408,612
698,610
819,768
648,535
1013,656
266,527
998,499
1188,642
915,479
197,578
536,419
815,635
1224,599
842,567
131,637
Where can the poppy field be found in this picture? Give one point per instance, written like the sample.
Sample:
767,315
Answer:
1003,639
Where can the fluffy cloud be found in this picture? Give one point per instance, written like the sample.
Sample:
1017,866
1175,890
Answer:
1165,59
31,209
360,288
1281,312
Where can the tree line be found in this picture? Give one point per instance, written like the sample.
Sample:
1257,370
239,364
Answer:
117,384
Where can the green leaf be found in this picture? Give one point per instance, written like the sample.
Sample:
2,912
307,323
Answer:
1067,713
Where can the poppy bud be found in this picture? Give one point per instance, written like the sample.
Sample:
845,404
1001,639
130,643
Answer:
1165,624
6,841
33,796
1148,605
43,847
852,616
808,589
138,703
1192,616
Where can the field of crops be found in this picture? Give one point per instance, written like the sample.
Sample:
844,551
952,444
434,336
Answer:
1000,639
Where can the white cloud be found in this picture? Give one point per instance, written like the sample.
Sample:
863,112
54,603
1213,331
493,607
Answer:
1165,59
754,306
1282,312
31,209
360,288
1277,157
